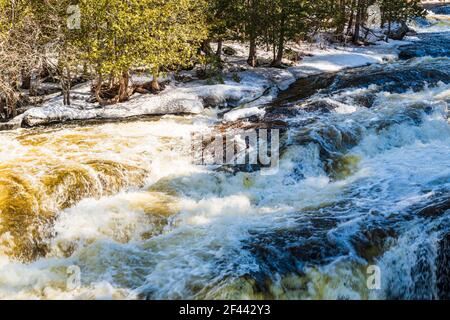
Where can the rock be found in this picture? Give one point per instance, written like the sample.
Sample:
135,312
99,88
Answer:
411,33
436,209
229,51
433,45
399,33
184,78
12,124
406,55
443,268
292,55
143,105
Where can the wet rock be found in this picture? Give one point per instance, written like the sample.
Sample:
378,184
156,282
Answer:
441,9
438,208
405,76
399,33
321,106
229,51
407,54
443,268
12,124
304,88
433,45
411,33
284,112
292,55
422,274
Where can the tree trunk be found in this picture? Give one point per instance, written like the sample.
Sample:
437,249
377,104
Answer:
252,60
66,96
339,33
98,88
2,109
219,48
206,47
124,91
26,81
389,30
357,23
155,84
352,17
65,82
279,58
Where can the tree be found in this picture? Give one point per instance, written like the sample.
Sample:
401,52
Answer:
287,18
20,52
399,11
170,35
118,35
222,18
58,41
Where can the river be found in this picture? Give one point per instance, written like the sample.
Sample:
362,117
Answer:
363,182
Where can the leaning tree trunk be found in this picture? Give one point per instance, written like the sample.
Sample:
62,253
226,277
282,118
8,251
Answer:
98,90
219,48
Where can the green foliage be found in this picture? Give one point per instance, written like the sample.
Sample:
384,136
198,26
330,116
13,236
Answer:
118,35
235,77
401,10
210,66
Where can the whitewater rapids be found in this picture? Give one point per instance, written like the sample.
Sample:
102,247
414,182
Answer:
364,180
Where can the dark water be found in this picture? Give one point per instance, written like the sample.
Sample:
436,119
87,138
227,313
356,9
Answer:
392,119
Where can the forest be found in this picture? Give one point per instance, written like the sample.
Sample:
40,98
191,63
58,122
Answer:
69,42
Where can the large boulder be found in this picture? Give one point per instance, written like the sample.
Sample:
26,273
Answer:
399,33
229,51
292,55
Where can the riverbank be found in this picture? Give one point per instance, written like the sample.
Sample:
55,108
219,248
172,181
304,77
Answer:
240,91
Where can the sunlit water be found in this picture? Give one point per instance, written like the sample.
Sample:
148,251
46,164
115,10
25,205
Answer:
366,183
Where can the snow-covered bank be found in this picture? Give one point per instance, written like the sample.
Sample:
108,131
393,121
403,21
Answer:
246,89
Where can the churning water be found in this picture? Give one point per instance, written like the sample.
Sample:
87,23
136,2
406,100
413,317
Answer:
364,180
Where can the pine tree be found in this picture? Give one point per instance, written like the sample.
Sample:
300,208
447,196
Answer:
171,32
118,35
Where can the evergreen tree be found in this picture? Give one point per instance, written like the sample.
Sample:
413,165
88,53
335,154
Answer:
118,35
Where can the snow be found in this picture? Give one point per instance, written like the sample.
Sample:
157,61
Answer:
254,88
170,102
244,113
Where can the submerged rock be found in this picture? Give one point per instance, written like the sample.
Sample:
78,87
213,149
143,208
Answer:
433,45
